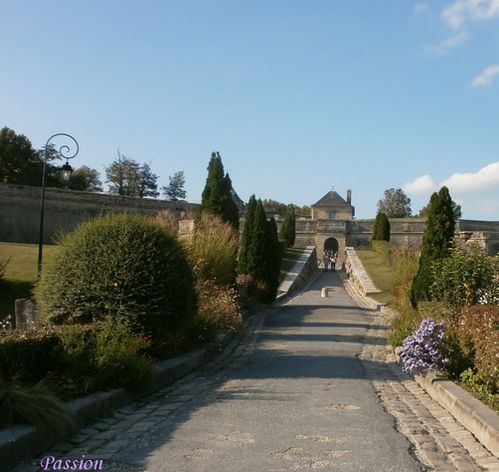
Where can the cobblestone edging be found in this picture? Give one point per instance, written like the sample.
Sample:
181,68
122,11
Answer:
434,427
20,442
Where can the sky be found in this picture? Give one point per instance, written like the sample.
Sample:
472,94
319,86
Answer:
299,97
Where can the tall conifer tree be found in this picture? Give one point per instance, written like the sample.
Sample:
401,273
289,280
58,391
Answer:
249,218
437,240
272,260
288,228
257,248
217,197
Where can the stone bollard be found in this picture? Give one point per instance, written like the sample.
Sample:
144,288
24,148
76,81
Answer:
27,316
325,292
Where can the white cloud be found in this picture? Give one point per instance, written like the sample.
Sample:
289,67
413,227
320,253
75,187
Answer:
461,11
487,178
449,43
484,180
420,8
420,186
486,76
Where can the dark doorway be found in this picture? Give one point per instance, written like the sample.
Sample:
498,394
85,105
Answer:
331,244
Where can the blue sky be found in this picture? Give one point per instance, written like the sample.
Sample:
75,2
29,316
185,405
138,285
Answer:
297,96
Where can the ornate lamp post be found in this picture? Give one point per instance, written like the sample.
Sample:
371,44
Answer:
66,170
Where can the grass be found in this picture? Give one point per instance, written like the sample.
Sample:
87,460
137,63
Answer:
289,258
380,271
20,273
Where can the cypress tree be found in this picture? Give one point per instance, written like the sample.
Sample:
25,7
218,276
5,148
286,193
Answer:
288,228
217,197
257,246
272,259
381,228
437,239
230,209
249,218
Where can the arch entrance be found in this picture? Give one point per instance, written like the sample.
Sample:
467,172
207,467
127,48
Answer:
331,244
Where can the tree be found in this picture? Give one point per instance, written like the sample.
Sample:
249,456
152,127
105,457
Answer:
437,240
395,204
273,250
19,162
175,189
246,240
381,228
127,177
288,228
423,213
257,251
86,179
122,176
147,182
217,197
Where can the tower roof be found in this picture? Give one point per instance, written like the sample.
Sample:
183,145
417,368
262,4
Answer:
331,198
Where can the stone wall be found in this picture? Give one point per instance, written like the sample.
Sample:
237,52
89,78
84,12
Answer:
65,209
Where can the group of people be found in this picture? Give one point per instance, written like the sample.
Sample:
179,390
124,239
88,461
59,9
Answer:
329,260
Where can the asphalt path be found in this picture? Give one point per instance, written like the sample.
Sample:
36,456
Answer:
298,399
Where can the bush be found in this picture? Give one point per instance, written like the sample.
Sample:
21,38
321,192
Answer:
479,339
28,355
405,263
422,351
217,310
122,266
212,251
464,276
77,358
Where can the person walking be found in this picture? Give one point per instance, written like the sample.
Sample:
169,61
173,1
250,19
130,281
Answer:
325,261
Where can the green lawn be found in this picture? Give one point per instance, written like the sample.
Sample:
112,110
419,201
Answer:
20,273
381,273
288,260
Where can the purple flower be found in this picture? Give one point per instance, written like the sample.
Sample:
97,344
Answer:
422,351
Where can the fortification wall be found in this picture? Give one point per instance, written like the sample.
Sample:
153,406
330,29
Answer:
65,209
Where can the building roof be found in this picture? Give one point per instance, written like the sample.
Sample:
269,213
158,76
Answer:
331,198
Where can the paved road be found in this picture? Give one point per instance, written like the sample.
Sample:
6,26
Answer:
308,389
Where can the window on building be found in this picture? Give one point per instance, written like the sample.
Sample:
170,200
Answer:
332,215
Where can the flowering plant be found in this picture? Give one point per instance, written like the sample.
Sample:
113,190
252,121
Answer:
422,351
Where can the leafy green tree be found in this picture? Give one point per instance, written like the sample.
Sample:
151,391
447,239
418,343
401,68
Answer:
381,228
217,197
86,179
19,162
288,228
246,240
395,204
437,241
122,176
175,189
127,177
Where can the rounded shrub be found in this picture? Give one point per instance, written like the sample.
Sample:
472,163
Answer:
122,266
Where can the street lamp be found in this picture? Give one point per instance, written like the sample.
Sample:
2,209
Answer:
66,171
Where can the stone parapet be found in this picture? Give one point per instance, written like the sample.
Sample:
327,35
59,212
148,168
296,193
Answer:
357,274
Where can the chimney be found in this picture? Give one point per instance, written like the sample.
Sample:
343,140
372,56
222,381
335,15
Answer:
349,197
